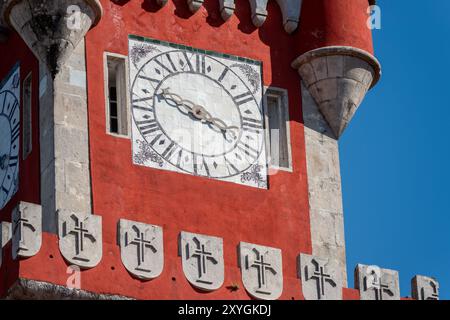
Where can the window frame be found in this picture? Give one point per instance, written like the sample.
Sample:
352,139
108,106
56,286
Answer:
120,112
283,100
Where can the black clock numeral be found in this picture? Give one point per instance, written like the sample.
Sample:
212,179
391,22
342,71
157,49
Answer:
142,99
162,65
150,79
148,127
148,109
12,110
251,125
222,76
155,139
188,62
169,150
248,150
195,164
232,170
171,63
205,166
6,191
200,63
15,132
243,98
179,157
13,161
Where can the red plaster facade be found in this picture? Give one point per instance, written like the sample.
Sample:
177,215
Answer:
278,217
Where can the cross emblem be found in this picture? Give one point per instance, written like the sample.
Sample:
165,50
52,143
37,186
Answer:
20,224
434,295
321,278
202,256
262,268
378,286
141,245
80,233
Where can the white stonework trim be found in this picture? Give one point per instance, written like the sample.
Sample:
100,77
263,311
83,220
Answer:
64,142
126,89
324,187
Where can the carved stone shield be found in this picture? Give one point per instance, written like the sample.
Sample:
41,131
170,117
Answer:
320,281
425,288
80,238
5,236
262,270
141,248
26,222
375,283
202,259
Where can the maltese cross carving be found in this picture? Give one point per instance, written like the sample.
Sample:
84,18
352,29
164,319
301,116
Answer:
262,271
141,249
80,238
26,230
202,259
319,280
375,283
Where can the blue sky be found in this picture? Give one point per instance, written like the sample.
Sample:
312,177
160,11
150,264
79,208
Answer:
395,156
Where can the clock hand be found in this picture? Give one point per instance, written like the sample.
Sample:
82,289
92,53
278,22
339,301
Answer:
197,111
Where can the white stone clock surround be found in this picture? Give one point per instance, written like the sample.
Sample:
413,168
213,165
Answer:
225,140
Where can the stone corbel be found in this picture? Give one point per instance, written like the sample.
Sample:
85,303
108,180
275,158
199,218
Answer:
290,10
227,8
338,78
259,12
194,5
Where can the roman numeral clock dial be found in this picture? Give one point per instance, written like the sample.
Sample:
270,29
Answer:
197,113
9,137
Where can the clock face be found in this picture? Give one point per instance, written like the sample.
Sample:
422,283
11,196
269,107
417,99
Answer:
197,113
9,137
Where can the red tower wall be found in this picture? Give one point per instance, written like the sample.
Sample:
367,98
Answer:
278,217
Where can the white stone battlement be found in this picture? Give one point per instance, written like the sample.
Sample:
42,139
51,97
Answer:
202,257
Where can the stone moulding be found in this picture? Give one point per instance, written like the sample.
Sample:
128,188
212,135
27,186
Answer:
50,29
338,78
